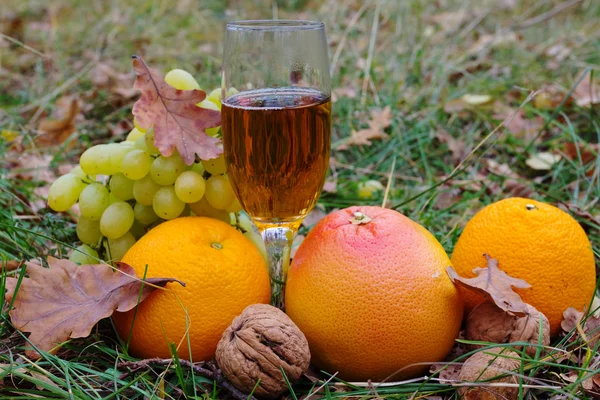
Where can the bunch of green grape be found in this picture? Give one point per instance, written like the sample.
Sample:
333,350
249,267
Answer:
126,188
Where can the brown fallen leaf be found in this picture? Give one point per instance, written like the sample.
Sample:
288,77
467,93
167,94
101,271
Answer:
574,209
587,92
31,166
550,97
494,284
345,91
587,151
10,265
314,216
522,127
572,318
489,42
66,300
457,147
447,372
380,119
56,131
330,185
447,196
178,123
573,376
496,168
515,188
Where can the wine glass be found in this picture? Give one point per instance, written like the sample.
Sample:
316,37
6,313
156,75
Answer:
276,124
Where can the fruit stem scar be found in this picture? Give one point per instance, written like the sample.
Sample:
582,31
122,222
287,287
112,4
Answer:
360,218
217,246
530,207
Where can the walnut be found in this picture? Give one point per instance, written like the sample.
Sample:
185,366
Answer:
484,367
488,323
258,344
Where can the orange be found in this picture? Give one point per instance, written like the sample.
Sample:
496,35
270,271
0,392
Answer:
373,297
223,273
536,242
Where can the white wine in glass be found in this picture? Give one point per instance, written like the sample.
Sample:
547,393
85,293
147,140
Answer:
276,124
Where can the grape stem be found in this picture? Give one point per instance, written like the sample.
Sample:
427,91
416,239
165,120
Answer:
278,242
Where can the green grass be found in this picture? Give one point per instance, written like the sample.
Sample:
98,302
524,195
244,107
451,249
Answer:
420,60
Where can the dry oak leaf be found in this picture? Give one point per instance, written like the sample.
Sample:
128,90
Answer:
66,300
178,122
591,327
56,131
495,285
380,119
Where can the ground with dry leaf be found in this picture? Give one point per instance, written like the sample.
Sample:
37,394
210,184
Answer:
471,102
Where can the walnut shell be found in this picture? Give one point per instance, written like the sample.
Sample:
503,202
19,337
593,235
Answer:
483,367
489,323
260,342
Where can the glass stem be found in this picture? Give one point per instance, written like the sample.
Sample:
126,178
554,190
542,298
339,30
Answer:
278,242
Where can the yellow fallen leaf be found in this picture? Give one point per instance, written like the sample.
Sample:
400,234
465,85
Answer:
477,99
542,161
9,135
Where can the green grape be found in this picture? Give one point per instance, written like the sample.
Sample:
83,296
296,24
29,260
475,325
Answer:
104,159
258,242
116,220
219,192
165,170
121,187
64,192
369,189
88,231
187,211
112,199
215,166
144,190
144,214
118,151
231,91
181,80
136,164
190,187
137,125
91,158
234,207
208,105
215,97
78,172
93,200
134,135
149,142
198,168
140,144
137,229
245,223
166,204
84,254
119,246
203,209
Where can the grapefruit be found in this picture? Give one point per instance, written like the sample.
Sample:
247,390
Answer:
368,288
